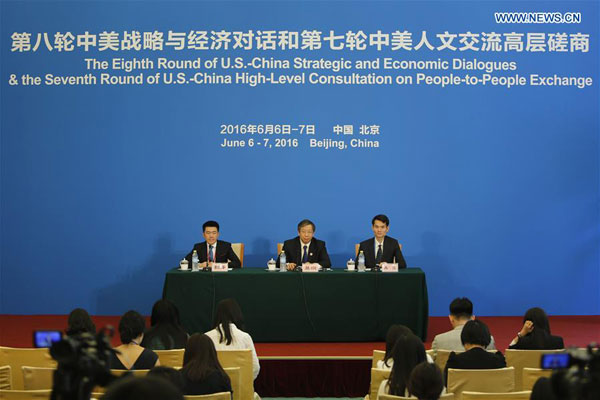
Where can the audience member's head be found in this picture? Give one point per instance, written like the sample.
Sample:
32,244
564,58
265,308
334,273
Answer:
200,358
542,390
142,388
164,312
79,321
131,327
461,310
392,335
539,319
475,334
167,373
228,312
426,381
407,353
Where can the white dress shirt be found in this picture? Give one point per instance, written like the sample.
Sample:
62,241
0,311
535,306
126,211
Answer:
377,246
214,249
302,244
240,340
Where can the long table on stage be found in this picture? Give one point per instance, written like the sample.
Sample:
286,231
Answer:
329,306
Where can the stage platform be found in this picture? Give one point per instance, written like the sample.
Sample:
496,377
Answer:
337,369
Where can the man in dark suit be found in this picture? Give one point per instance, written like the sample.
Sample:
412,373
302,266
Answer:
305,248
475,337
213,250
381,248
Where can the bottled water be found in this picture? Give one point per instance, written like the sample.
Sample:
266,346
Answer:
194,261
282,262
361,262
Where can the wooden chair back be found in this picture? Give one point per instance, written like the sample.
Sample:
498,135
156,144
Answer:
531,375
377,376
236,382
170,358
17,358
25,394
520,359
378,355
238,249
37,378
5,377
214,396
499,380
522,395
243,360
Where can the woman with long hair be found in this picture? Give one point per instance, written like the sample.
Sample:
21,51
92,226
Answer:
228,331
131,355
535,333
202,373
407,353
165,332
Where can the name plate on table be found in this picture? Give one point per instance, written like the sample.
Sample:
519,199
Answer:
219,267
310,267
388,267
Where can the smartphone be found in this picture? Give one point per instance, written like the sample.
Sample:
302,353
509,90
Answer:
556,361
46,338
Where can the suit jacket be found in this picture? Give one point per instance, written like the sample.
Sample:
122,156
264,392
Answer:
391,252
549,342
451,341
224,254
476,358
317,252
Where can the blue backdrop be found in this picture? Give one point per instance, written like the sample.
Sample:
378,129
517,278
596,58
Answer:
492,191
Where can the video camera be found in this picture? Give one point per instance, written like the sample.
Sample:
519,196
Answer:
576,373
83,363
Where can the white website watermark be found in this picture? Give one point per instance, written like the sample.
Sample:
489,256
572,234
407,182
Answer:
537,17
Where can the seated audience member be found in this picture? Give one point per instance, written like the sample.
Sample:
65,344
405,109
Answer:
79,321
165,332
391,337
142,388
535,333
407,353
305,248
542,390
426,382
475,337
170,374
228,332
461,311
132,355
202,373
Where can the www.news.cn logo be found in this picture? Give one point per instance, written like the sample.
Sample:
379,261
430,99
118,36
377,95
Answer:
537,17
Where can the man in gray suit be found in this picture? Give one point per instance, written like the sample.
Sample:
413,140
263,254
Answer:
461,312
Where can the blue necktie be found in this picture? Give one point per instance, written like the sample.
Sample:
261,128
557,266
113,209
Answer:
210,253
305,256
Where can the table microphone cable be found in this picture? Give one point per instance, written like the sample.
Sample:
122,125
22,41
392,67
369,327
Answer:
310,321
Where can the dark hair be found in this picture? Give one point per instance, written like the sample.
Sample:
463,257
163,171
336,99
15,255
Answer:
200,358
142,388
543,390
79,321
166,332
169,374
382,218
475,332
306,222
391,337
426,382
407,353
228,312
210,224
131,325
461,307
541,326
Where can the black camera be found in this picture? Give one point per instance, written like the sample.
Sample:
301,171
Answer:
577,373
83,363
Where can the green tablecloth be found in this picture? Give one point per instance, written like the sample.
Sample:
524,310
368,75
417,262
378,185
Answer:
330,306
